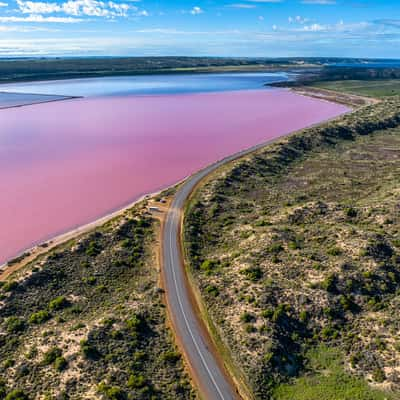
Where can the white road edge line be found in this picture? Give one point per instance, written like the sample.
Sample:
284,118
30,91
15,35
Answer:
185,317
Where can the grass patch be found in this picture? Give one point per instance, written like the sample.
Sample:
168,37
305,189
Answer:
326,379
370,88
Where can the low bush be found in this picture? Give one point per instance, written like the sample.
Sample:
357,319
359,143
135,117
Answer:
39,317
59,303
51,355
17,394
15,324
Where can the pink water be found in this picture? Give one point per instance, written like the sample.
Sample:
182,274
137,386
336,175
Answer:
67,163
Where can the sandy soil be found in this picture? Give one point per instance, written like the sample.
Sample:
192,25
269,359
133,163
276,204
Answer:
351,100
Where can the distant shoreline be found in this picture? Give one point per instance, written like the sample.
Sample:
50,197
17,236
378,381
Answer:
15,70
40,99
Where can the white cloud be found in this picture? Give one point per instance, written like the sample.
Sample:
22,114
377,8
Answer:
242,5
196,10
3,4
40,18
298,19
37,7
314,28
143,13
90,8
168,31
95,8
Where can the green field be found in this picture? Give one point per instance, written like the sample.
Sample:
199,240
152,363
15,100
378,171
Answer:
371,88
326,379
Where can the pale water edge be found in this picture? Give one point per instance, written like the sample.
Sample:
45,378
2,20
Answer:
149,84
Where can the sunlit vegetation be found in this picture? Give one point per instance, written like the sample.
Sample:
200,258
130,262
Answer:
372,88
296,250
87,321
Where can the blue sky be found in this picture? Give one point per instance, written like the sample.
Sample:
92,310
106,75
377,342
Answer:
267,28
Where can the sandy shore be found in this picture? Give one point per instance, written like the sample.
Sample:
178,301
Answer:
32,253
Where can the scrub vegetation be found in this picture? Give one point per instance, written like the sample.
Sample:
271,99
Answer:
87,321
27,69
296,252
371,88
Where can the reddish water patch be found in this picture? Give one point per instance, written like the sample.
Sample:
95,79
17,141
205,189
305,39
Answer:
65,164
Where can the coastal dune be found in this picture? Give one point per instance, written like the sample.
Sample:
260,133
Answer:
65,164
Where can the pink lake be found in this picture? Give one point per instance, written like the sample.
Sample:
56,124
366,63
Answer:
67,163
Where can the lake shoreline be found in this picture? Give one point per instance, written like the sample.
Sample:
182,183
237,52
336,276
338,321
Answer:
44,246
189,152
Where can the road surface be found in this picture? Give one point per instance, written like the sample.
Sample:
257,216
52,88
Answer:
210,376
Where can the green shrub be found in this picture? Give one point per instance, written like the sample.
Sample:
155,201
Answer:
91,280
249,328
209,266
15,324
89,351
126,243
351,212
378,375
51,355
8,363
254,274
213,290
171,356
3,389
39,317
246,317
303,316
17,394
329,284
136,381
136,323
111,392
329,332
59,303
280,312
275,248
379,249
263,222
334,251
267,313
60,364
93,249
347,303
9,286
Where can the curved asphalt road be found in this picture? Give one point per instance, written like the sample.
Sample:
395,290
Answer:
211,377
